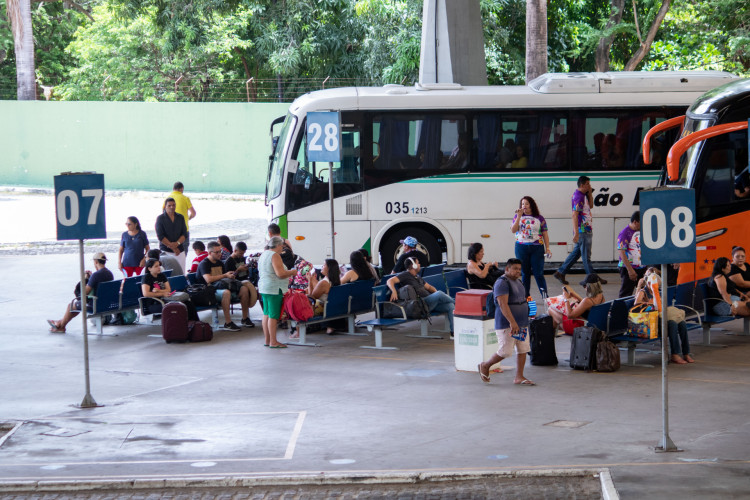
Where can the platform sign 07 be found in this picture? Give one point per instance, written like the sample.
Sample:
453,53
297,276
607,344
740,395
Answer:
79,206
667,226
324,136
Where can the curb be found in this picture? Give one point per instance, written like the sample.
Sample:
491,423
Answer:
609,491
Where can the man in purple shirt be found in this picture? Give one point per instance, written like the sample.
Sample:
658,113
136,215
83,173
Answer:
582,231
629,248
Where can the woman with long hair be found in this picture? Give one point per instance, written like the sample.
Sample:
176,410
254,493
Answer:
226,246
479,273
565,309
318,290
358,269
532,242
133,248
725,298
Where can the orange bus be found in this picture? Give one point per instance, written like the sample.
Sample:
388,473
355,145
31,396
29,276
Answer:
711,156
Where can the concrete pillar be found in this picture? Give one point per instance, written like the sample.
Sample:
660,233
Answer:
452,43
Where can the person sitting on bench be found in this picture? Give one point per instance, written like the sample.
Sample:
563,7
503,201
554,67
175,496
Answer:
101,275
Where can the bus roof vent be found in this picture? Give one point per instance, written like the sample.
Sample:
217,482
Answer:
665,81
629,81
438,86
565,83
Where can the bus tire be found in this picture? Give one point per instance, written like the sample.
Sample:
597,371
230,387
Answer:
428,244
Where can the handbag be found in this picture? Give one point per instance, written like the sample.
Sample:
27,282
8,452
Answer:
643,322
607,357
675,314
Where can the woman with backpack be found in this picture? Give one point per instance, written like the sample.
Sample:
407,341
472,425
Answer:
273,283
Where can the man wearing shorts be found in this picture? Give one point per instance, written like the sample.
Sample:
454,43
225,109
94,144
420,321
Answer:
210,270
511,323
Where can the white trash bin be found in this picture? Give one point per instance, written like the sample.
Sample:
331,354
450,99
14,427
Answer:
474,338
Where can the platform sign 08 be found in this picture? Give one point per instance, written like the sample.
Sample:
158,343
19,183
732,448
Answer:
79,206
324,136
667,226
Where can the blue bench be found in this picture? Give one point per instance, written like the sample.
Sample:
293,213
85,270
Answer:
432,270
382,294
107,300
178,284
703,303
456,281
344,301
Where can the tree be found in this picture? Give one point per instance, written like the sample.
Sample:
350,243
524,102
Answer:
536,38
19,14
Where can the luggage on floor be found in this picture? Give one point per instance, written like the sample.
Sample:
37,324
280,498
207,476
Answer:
583,347
607,356
542,339
174,322
199,331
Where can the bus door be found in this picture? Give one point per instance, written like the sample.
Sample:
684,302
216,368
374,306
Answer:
307,198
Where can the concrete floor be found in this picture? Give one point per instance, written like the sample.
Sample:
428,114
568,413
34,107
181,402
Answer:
232,407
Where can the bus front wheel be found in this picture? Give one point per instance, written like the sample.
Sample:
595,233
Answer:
392,248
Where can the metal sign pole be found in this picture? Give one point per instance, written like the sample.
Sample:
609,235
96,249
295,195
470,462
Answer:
330,198
88,399
666,443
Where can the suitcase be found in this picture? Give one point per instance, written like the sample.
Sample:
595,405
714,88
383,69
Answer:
200,331
583,347
542,339
174,322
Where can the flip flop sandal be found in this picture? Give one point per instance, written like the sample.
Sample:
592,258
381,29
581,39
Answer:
279,346
485,378
525,382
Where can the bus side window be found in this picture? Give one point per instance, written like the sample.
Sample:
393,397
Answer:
717,183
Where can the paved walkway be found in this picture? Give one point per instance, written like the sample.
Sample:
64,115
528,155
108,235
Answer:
232,408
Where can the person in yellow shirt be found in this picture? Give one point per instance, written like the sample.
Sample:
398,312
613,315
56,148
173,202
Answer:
184,207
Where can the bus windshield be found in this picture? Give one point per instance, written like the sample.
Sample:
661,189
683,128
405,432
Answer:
276,174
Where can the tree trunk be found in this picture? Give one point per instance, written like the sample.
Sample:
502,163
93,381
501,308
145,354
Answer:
536,38
602,49
19,13
646,44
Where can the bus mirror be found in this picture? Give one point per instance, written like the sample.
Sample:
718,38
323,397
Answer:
292,168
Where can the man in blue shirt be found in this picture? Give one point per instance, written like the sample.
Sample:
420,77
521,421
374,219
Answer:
511,323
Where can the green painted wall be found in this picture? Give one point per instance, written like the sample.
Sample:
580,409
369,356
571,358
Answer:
210,147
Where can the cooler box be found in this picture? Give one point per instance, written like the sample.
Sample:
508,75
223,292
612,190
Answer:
471,303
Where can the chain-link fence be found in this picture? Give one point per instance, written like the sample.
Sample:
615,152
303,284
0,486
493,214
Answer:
196,90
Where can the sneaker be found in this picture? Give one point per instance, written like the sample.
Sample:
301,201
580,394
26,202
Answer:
248,322
452,336
231,327
560,277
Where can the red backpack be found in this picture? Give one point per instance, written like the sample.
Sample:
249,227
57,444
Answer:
297,306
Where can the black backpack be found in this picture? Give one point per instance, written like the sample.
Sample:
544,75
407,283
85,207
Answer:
414,306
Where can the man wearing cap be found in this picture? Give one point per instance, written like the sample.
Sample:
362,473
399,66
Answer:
101,275
410,250
171,231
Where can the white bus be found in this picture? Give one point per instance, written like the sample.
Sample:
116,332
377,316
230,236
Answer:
448,164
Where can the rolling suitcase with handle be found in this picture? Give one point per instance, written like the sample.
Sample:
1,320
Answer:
583,347
174,322
542,338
